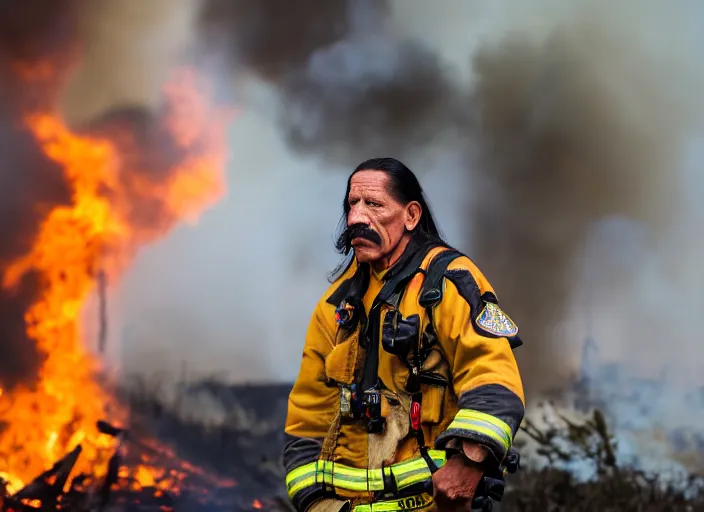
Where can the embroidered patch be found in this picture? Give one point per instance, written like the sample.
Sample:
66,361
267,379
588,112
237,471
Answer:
494,321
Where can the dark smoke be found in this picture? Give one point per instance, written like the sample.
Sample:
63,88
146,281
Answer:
275,38
346,88
570,131
31,33
560,134
367,97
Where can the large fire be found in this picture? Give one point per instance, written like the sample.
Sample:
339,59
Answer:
97,232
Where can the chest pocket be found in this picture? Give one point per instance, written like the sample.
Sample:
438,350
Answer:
343,361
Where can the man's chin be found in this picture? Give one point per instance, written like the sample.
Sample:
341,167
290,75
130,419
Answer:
367,254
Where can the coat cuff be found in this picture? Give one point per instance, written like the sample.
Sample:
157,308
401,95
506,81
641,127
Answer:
490,416
298,453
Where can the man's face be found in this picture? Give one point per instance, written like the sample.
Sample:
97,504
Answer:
371,204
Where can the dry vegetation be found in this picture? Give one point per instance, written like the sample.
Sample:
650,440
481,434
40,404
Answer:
613,487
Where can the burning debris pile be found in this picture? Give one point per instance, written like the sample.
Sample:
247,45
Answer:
237,430
126,486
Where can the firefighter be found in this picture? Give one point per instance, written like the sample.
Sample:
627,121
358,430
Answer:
408,393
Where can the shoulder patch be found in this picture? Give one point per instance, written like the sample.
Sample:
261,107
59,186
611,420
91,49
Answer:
494,321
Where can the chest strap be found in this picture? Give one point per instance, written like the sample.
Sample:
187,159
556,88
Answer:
390,293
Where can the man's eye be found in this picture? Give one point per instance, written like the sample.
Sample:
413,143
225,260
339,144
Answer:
372,203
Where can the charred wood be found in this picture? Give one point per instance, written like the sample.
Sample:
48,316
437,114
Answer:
49,486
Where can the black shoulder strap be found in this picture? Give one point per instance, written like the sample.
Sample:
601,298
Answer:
431,292
390,293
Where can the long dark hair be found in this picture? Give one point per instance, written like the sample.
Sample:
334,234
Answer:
404,188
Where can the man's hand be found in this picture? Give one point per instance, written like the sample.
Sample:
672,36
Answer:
454,483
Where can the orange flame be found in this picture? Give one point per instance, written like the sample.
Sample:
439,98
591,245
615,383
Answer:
95,232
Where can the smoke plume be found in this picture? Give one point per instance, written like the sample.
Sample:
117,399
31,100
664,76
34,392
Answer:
573,113
275,38
348,86
584,124
565,123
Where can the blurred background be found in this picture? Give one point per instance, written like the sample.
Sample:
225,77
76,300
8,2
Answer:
559,143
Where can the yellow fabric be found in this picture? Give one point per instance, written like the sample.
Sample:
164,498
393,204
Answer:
422,502
475,360
472,361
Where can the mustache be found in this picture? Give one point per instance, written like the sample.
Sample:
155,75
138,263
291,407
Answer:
344,241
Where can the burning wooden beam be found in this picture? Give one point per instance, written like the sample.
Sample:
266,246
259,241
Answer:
49,486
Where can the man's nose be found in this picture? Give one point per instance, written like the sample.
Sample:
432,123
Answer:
357,215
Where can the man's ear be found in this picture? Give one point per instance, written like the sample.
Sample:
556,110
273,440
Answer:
413,213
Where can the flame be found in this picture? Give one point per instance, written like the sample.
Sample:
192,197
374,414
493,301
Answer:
96,232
